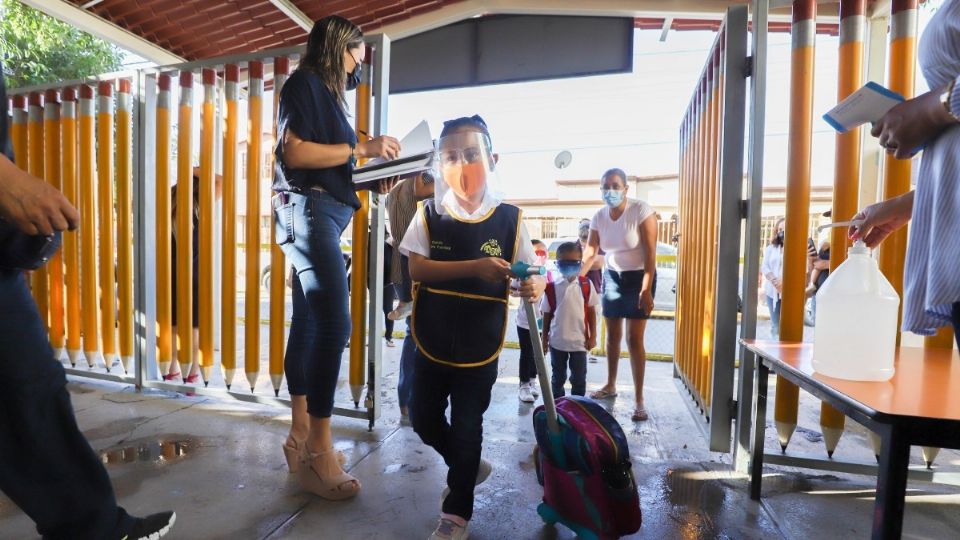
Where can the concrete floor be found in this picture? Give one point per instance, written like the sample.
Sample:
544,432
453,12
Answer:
218,464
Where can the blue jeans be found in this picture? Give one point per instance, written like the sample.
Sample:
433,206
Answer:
577,361
774,307
467,392
408,355
46,465
308,229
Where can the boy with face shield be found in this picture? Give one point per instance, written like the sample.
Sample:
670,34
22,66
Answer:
461,245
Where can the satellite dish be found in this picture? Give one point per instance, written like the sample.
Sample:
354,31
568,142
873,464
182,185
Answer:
563,159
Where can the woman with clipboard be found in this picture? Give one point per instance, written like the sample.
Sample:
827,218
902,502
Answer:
316,152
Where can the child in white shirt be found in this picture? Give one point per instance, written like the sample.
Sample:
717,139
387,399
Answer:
528,368
569,321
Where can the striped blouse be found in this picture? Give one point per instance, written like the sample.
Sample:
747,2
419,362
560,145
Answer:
931,282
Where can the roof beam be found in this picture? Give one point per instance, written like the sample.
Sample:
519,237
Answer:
293,13
667,23
689,9
88,22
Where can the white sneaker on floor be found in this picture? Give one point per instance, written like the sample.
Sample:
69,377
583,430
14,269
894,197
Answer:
483,472
448,530
526,393
535,388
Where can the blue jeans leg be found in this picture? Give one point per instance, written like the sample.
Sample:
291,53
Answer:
47,467
558,359
323,316
578,373
774,307
408,356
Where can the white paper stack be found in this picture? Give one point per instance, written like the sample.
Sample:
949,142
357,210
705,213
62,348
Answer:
867,104
416,155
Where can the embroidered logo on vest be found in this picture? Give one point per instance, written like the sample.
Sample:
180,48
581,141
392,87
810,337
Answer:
492,248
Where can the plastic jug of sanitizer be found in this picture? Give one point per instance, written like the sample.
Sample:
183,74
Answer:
855,332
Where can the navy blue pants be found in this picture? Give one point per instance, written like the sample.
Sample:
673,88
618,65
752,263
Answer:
408,358
577,364
308,229
528,366
47,467
956,322
467,392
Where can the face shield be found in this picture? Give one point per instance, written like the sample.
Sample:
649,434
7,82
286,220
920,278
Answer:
467,170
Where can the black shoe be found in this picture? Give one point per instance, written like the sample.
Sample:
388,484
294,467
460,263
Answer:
151,527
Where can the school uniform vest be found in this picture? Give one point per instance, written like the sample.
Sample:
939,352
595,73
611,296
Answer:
463,322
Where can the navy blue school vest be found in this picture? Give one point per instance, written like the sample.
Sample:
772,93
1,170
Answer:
462,322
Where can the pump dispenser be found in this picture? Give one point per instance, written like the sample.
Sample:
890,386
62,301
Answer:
855,332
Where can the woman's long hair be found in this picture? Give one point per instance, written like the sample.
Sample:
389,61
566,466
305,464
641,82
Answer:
329,38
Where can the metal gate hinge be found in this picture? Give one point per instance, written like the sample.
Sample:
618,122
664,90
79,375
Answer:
748,67
744,208
733,408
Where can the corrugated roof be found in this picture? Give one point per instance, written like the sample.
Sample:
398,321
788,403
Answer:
199,29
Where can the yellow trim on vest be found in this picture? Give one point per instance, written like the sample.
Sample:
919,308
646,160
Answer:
516,241
413,332
476,220
466,295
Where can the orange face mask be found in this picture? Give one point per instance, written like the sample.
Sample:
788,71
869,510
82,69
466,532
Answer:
466,180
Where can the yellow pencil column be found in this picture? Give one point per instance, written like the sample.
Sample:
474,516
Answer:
164,232
278,268
184,225
35,167
125,238
207,154
798,205
71,239
896,172
228,301
846,179
252,241
51,169
18,132
108,291
88,228
361,240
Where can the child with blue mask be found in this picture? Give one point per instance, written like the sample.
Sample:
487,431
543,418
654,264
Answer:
569,308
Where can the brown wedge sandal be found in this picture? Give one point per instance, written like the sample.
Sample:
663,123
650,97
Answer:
336,487
296,453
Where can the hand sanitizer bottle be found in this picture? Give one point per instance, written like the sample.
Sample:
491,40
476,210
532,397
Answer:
855,332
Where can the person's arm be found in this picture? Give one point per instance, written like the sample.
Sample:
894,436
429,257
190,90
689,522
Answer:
301,154
648,240
882,218
488,268
590,252
905,127
591,321
33,205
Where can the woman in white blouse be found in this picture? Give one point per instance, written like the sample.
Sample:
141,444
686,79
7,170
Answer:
772,270
626,230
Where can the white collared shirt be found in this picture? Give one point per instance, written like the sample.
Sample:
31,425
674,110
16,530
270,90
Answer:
417,239
569,326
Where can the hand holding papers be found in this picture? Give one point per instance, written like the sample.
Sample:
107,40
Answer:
416,155
867,104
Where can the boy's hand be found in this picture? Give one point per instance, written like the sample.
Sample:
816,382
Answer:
591,343
532,288
493,269
546,342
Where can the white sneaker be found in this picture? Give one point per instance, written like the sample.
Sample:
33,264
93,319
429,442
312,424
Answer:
402,312
526,393
448,530
535,388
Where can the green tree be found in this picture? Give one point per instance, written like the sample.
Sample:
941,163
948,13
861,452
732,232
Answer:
38,49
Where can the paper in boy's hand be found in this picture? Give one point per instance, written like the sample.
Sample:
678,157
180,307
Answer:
867,104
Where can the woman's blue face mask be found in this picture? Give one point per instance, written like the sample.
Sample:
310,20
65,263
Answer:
569,269
613,197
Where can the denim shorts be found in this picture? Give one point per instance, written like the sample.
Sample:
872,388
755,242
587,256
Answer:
621,294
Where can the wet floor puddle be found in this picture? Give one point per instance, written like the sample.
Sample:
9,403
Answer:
160,451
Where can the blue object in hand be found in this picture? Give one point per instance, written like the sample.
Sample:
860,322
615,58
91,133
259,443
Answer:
523,270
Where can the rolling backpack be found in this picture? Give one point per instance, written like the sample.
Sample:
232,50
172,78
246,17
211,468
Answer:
582,459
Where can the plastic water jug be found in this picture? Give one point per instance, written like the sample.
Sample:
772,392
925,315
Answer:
855,332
